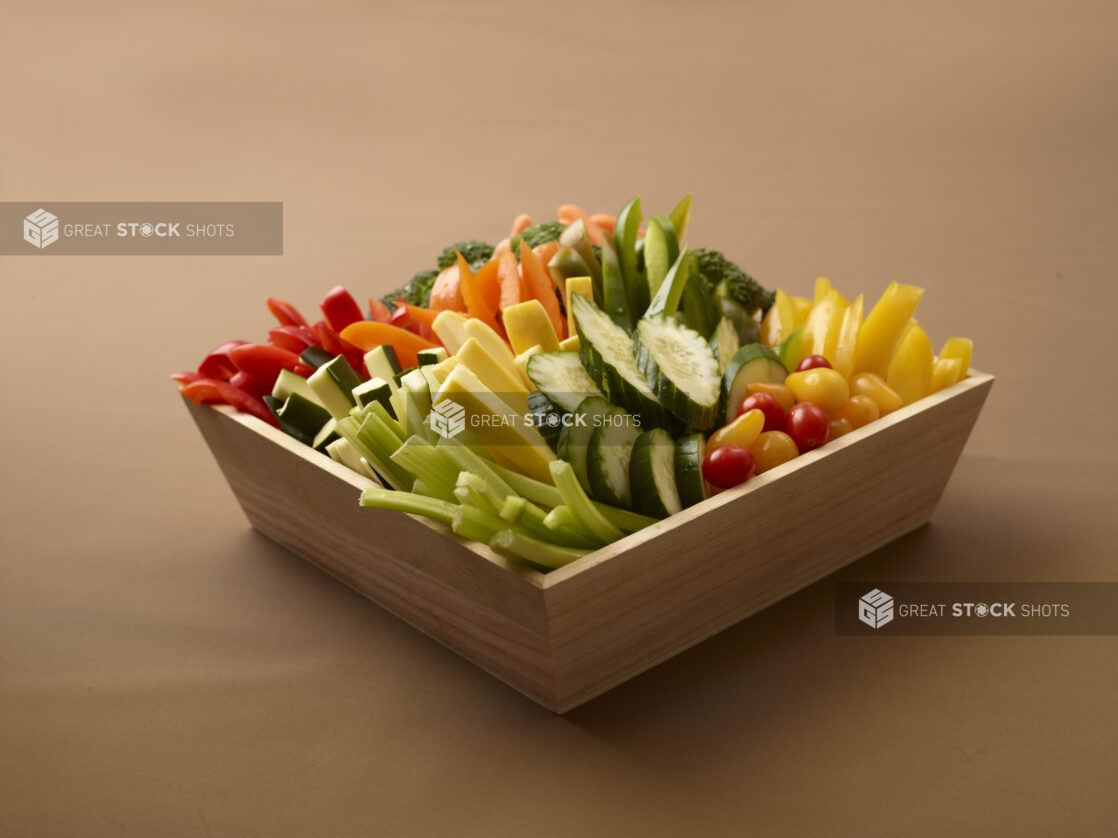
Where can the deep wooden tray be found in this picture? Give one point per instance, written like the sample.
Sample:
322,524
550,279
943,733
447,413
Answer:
563,637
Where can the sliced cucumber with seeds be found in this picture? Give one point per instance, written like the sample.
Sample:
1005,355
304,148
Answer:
562,377
608,458
689,453
606,351
652,474
753,363
681,368
546,417
585,420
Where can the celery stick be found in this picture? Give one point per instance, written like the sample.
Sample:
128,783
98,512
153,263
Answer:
438,510
381,412
515,544
513,508
468,460
421,458
471,522
568,529
545,495
575,497
375,443
479,492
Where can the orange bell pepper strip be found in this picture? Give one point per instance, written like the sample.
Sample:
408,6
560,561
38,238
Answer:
419,314
538,281
446,293
512,291
546,251
521,223
477,296
367,334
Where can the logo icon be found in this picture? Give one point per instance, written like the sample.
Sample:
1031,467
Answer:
447,418
875,609
40,228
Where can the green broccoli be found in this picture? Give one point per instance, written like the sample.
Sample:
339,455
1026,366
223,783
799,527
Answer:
476,254
726,279
416,291
537,234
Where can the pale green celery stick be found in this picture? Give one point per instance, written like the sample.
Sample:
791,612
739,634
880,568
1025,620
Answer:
365,444
568,529
515,544
421,458
475,523
382,413
437,510
513,508
575,497
468,460
545,495
480,493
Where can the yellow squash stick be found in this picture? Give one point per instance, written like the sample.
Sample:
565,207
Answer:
583,285
885,325
528,325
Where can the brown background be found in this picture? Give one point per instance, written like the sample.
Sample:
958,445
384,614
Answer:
166,672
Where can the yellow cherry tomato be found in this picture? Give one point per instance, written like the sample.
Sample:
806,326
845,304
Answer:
873,385
822,386
860,410
840,427
772,449
742,431
778,391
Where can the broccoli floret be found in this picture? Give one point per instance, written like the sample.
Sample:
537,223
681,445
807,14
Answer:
476,254
416,291
726,279
537,234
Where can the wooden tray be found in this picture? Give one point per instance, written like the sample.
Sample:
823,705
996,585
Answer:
563,637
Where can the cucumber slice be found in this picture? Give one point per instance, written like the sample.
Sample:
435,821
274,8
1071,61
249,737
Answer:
753,362
725,342
562,377
333,383
680,366
288,383
315,356
652,474
607,354
689,453
586,419
431,356
609,456
381,362
749,330
547,418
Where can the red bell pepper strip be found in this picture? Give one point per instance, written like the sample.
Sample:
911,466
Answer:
218,364
286,313
340,309
378,311
265,362
253,386
400,318
209,391
292,338
186,377
333,343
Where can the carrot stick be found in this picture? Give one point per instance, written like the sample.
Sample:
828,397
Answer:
477,304
545,251
510,281
446,293
543,289
604,220
574,212
521,223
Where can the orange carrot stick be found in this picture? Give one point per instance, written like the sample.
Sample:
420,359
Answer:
604,220
539,282
446,293
509,276
521,223
477,304
574,212
545,251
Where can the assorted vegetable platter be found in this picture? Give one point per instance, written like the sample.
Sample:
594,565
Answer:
581,380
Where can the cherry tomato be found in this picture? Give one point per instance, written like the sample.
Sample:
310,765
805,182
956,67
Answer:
808,426
812,362
822,386
840,427
860,410
873,385
728,465
778,391
768,405
772,449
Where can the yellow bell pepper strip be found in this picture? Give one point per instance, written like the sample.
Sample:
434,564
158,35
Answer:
528,325
742,431
366,334
847,342
583,285
499,427
821,329
884,327
945,372
910,370
874,386
803,306
780,322
960,348
823,287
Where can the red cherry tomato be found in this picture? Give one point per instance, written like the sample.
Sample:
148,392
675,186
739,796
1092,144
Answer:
813,361
808,426
728,465
766,403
